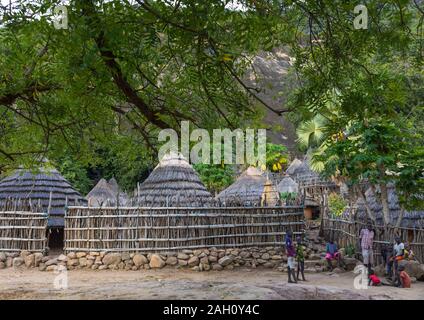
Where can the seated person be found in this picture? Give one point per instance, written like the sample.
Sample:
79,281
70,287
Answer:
332,252
373,280
405,279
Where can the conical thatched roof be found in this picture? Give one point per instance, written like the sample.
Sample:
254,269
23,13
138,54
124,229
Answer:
102,195
410,219
293,166
45,187
173,182
248,189
287,185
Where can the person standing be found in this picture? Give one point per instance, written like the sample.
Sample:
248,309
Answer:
300,258
367,240
290,250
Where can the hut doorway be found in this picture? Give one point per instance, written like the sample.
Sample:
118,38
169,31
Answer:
55,239
311,212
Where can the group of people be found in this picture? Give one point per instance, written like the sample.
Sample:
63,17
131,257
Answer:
392,256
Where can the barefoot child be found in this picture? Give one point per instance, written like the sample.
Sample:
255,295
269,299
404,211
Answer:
373,280
300,258
405,280
290,257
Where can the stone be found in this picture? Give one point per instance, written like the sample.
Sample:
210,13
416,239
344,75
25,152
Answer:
213,254
256,255
42,266
245,254
51,268
139,260
171,261
82,261
62,257
102,267
265,256
379,270
225,261
51,262
37,258
413,279
18,261
182,263
125,256
197,252
350,263
3,257
217,267
94,267
187,251
90,257
90,263
111,259
2,265
221,254
98,260
134,268
81,254
229,267
183,256
9,262
193,261
156,262
204,260
276,257
212,258
206,267
260,261
146,266
338,270
121,265
45,259
103,253
73,262
94,254
12,254
269,265
24,253
72,255
196,268
29,260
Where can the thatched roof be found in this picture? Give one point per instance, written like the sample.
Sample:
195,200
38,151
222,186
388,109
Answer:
173,182
410,218
287,185
47,188
293,166
248,189
102,195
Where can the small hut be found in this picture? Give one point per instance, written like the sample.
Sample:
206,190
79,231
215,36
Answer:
173,183
287,185
46,189
251,189
411,219
101,195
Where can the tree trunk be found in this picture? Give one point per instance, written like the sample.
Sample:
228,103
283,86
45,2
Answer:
385,204
361,195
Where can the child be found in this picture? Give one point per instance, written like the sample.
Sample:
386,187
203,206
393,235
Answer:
300,258
290,256
373,280
405,280
332,253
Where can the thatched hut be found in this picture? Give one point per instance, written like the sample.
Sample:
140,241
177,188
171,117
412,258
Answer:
46,190
250,189
173,183
411,219
101,195
287,185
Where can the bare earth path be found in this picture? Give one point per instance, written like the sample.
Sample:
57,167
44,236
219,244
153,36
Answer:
172,284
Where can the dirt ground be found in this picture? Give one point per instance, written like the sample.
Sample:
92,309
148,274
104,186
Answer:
185,284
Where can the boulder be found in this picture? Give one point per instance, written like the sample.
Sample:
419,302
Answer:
51,262
217,267
3,257
42,266
204,260
73,262
225,261
24,253
183,256
29,260
171,261
139,260
72,255
182,263
193,261
125,256
2,265
350,263
9,262
51,268
81,254
213,258
37,258
82,262
18,261
111,259
63,258
265,256
156,262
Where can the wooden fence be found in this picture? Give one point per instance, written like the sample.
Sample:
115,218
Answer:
20,230
346,232
165,229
